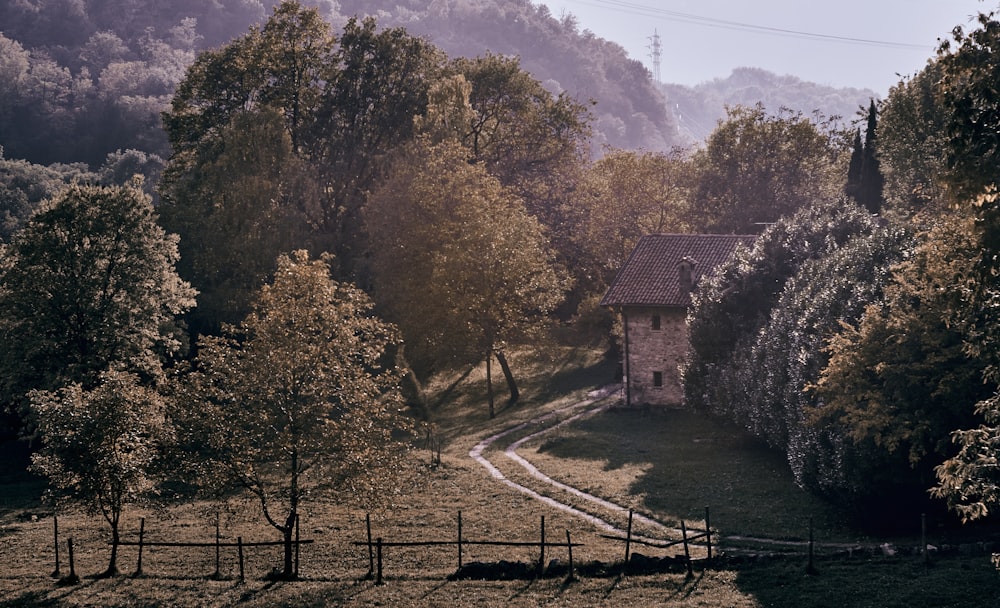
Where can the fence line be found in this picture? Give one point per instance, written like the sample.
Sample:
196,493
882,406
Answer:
376,547
217,544
375,562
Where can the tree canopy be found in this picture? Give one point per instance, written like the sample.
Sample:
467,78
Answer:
103,447
459,263
278,137
88,284
756,168
300,399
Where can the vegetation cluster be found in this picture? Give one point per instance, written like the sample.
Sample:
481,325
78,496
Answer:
354,211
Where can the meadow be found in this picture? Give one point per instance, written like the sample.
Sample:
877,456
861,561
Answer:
666,464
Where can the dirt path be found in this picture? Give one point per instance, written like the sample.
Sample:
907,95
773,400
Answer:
597,401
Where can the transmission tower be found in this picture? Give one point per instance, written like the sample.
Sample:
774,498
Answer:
655,53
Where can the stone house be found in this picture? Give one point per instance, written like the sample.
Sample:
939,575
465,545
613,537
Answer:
652,292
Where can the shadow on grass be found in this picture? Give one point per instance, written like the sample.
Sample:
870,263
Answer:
457,401
966,582
690,462
31,599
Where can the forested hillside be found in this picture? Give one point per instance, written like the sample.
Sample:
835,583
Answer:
698,109
79,80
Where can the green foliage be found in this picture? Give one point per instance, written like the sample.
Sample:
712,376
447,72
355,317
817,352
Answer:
864,176
629,111
969,480
911,148
533,141
101,447
301,398
88,284
23,186
521,132
238,216
756,168
968,98
967,91
625,196
278,137
369,110
459,263
900,381
757,328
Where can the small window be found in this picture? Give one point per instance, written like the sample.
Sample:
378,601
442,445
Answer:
658,379
656,322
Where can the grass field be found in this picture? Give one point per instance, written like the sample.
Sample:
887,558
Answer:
668,463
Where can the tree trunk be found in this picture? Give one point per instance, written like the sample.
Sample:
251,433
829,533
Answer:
511,384
489,383
115,541
293,511
287,531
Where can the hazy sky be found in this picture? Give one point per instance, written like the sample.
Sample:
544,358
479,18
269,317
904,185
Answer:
851,43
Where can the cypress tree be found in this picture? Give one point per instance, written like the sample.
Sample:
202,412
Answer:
871,183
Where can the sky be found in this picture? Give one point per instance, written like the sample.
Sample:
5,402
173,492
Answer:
865,44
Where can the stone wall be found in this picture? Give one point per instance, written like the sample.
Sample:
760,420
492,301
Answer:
656,354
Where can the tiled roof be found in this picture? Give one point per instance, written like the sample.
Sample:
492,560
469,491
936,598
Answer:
651,274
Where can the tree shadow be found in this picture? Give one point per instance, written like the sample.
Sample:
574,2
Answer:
688,462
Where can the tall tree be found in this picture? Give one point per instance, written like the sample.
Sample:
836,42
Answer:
968,90
854,168
912,144
756,168
900,381
459,263
533,141
101,447
870,182
341,107
625,196
300,399
369,109
88,284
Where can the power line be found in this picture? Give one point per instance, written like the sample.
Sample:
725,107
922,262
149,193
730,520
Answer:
677,16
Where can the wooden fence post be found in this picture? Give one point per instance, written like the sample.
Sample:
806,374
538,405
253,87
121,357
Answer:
708,533
628,538
569,547
371,556
811,568
297,545
460,540
55,535
378,575
239,549
142,534
923,539
218,571
687,552
72,579
541,556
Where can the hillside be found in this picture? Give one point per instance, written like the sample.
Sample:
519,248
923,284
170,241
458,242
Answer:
697,109
628,109
80,80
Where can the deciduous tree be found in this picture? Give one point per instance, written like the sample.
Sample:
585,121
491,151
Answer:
459,263
300,399
756,168
899,381
89,284
101,447
625,196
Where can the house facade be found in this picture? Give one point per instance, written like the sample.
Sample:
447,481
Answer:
652,292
